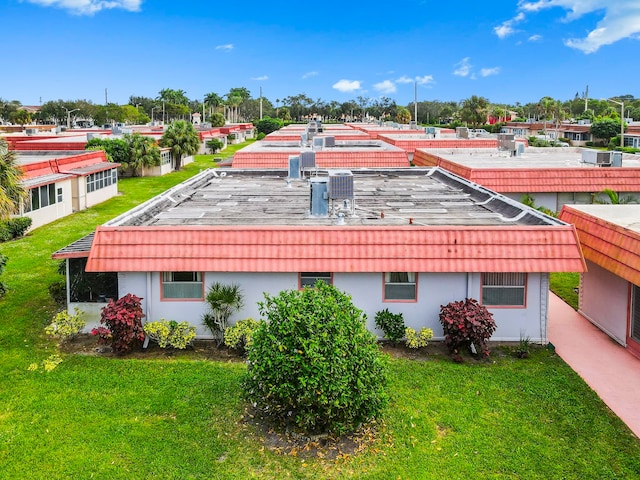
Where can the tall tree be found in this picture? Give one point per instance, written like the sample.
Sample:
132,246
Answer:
143,153
169,95
474,110
12,192
183,140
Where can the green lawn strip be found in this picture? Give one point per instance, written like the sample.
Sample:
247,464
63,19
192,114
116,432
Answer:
563,284
128,418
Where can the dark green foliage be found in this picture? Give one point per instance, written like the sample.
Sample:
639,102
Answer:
14,228
214,145
223,301
465,323
260,136
313,365
58,291
268,125
217,120
392,324
116,149
605,128
3,263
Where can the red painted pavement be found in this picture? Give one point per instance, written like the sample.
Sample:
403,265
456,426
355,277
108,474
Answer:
607,367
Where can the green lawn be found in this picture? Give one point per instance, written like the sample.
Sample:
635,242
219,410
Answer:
564,285
182,417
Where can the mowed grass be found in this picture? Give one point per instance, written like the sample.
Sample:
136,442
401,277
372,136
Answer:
564,285
183,418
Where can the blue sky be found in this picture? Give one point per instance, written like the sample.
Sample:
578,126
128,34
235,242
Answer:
507,51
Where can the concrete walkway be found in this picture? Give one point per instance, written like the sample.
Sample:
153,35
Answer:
610,370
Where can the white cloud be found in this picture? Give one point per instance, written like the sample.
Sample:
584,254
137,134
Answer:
385,87
405,79
619,19
263,77
463,67
227,47
89,7
506,29
486,72
347,85
425,80
309,75
535,38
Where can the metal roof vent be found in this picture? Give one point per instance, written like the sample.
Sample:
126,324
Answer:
294,166
462,132
319,199
330,141
318,143
507,142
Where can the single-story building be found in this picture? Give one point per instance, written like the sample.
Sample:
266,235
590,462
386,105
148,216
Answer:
406,239
59,186
551,176
610,290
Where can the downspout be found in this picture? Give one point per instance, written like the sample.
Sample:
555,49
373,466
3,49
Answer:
147,309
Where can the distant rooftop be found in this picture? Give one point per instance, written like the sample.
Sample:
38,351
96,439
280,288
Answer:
533,157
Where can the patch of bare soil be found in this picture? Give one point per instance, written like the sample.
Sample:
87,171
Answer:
322,446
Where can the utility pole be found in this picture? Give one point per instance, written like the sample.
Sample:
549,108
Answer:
415,102
260,103
586,99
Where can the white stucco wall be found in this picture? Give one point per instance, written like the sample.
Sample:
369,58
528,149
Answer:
48,214
366,290
101,195
604,301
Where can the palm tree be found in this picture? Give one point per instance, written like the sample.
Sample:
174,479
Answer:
12,193
614,198
474,110
183,140
223,301
143,153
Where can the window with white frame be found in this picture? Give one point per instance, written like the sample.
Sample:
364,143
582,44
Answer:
504,289
182,285
42,196
400,286
309,279
98,180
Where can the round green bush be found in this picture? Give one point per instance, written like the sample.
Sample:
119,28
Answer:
313,365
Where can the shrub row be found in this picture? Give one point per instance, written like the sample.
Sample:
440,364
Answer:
14,228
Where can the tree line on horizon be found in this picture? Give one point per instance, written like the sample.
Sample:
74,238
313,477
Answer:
238,105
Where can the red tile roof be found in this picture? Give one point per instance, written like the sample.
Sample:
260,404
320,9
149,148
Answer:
71,164
337,249
330,158
518,180
613,247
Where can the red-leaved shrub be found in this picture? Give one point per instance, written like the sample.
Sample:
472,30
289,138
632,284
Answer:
466,322
123,324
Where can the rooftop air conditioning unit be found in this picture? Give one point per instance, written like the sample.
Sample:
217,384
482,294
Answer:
318,143
330,141
307,160
340,184
507,141
462,132
30,131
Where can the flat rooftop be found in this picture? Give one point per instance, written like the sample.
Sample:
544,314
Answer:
625,216
540,157
381,197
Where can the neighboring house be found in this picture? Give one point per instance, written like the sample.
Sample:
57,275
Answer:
610,289
407,239
551,177
60,186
